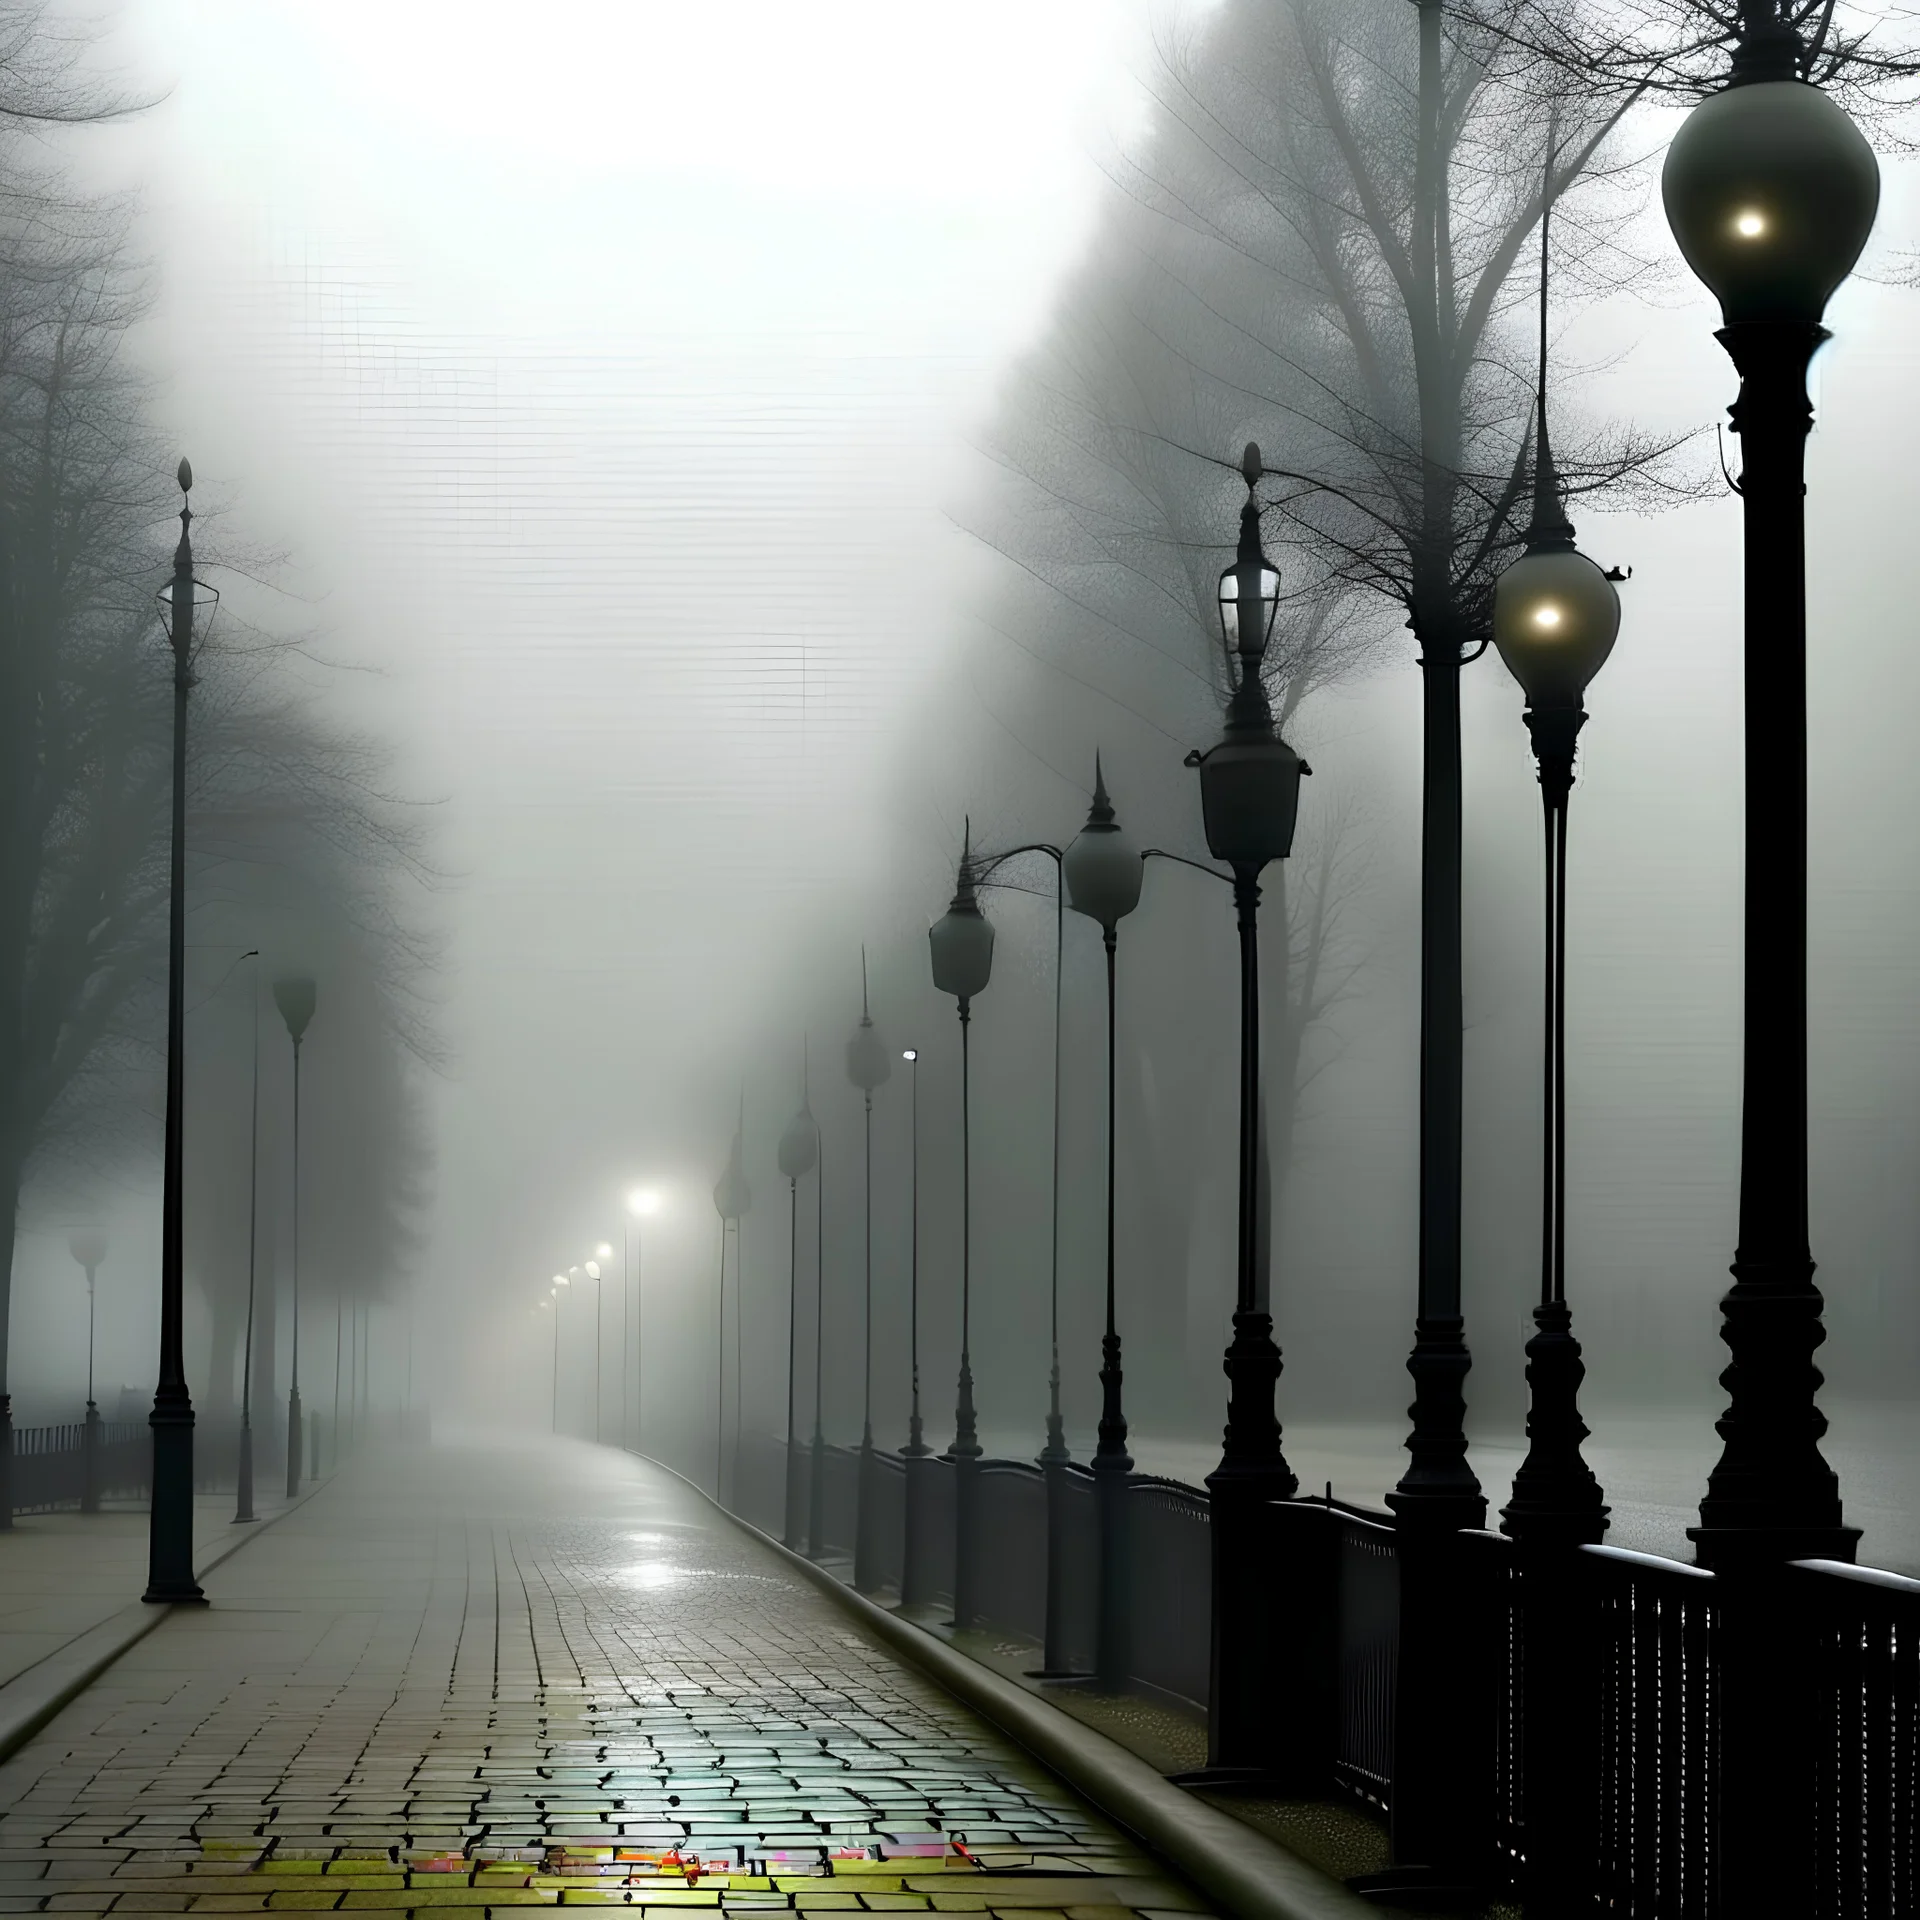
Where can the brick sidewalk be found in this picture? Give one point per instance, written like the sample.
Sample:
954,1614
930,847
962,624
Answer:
487,1677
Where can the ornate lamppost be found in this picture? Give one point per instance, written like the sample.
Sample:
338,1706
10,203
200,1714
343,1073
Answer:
170,1522
89,1248
798,1154
1771,191
1102,874
1555,617
961,944
869,1065
1249,798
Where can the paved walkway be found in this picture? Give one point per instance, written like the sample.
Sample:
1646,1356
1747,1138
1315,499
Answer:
63,1573
475,1677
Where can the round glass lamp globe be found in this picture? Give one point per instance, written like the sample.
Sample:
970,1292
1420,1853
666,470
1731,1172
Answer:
799,1146
1102,872
1771,190
1555,619
869,1058
961,941
643,1201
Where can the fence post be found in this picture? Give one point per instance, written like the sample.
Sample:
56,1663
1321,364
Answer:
1306,1632
90,1461
1769,1742
1558,1670
1444,1752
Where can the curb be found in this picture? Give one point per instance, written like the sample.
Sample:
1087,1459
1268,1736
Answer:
1234,1864
32,1697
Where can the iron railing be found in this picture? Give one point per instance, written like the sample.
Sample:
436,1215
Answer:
1595,1783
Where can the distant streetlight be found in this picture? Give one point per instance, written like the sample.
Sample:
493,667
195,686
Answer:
296,996
913,1585
243,1478
1102,873
592,1271
642,1204
868,1066
961,947
89,1248
170,1517
798,1153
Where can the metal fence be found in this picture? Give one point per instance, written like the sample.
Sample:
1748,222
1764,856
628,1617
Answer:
50,1464
1602,1780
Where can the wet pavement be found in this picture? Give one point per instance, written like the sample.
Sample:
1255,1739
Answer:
476,1676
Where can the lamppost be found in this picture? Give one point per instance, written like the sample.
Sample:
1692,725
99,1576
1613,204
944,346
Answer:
817,1452
89,1248
592,1271
1249,798
869,1065
1771,192
961,943
798,1151
296,997
1055,1457
1555,616
1102,874
601,1254
913,1581
170,1523
642,1204
553,1300
243,1477
731,1197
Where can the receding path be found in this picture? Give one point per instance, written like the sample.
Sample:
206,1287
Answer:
472,1676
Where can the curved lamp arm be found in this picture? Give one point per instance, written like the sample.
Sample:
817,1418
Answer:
1160,853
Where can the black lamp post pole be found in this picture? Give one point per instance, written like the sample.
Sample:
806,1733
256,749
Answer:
1055,1456
1112,1463
965,1451
90,1488
863,1541
1772,1496
296,1432
170,1532
913,1581
243,1504
790,1532
817,1461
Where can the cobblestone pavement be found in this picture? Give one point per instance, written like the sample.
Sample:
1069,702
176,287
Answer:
479,1677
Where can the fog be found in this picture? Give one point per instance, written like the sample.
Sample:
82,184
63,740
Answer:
611,409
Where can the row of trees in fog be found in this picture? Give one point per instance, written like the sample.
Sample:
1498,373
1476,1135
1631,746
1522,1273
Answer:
295,848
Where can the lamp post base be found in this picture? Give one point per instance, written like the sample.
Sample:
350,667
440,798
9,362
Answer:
865,1570
170,1580
90,1461
243,1505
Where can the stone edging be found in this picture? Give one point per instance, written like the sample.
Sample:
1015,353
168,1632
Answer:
1235,1865
34,1695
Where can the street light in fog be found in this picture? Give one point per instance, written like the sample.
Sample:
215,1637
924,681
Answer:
731,1199
170,1516
1249,799
869,1065
913,1583
89,1248
1771,192
798,1152
243,1477
642,1204
296,996
1101,871
961,946
592,1271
